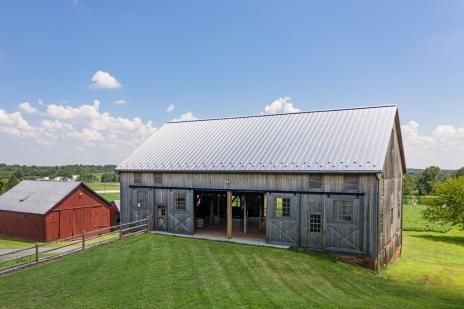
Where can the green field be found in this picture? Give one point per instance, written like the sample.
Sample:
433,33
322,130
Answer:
414,221
166,271
110,196
99,186
14,244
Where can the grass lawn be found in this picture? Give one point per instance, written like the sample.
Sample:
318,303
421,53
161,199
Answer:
110,196
166,271
99,186
9,243
413,221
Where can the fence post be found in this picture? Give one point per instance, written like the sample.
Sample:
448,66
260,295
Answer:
36,253
148,225
83,240
120,232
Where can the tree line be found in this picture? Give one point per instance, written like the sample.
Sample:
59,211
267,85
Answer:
10,175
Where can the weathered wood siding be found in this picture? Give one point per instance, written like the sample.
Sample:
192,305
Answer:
391,202
364,239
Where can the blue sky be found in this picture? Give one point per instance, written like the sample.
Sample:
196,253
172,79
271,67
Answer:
222,58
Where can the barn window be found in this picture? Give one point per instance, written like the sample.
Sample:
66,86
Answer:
179,201
315,223
343,210
158,181
138,178
315,181
282,208
142,199
351,182
391,216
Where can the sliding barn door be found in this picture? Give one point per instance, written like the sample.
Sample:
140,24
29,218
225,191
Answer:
342,231
282,213
311,221
180,212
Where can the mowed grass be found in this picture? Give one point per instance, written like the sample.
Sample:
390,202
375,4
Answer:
110,196
413,220
166,271
100,186
9,243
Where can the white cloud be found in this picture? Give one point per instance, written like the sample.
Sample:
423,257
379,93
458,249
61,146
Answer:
186,117
443,147
14,124
281,105
120,102
88,135
26,107
104,80
170,108
65,127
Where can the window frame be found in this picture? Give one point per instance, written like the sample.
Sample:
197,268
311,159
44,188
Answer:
285,210
313,180
138,178
178,196
342,217
346,181
315,227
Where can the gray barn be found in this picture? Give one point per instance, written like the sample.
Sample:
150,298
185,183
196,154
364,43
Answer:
325,180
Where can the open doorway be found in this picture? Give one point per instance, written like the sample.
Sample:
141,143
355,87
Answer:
248,214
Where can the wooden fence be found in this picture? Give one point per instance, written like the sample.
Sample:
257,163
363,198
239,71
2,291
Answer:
43,252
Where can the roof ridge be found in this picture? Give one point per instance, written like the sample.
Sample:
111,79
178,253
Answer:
286,114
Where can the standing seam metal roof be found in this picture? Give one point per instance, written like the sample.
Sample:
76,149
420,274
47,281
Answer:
346,140
38,197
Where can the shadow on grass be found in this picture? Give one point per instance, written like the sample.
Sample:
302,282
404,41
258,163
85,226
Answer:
455,240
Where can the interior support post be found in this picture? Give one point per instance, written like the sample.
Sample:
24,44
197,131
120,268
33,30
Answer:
229,214
245,214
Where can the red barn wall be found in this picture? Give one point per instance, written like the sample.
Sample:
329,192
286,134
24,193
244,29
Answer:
22,225
81,211
113,214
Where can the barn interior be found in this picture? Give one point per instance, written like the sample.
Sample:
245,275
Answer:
248,214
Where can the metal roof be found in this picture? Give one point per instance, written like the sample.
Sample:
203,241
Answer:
345,140
38,197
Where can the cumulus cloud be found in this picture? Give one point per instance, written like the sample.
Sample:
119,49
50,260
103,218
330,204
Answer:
170,108
104,80
281,105
27,108
443,147
186,117
120,102
85,126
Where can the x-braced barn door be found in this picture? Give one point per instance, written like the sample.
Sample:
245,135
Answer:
180,211
282,215
343,224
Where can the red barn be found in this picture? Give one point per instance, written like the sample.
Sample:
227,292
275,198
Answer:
47,210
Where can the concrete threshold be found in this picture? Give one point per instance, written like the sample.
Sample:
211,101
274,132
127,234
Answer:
217,238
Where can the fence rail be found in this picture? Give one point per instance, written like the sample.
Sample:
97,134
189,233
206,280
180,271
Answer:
43,252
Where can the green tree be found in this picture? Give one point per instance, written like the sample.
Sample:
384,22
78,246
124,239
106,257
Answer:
427,179
449,203
2,187
109,177
459,172
87,178
409,185
13,181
